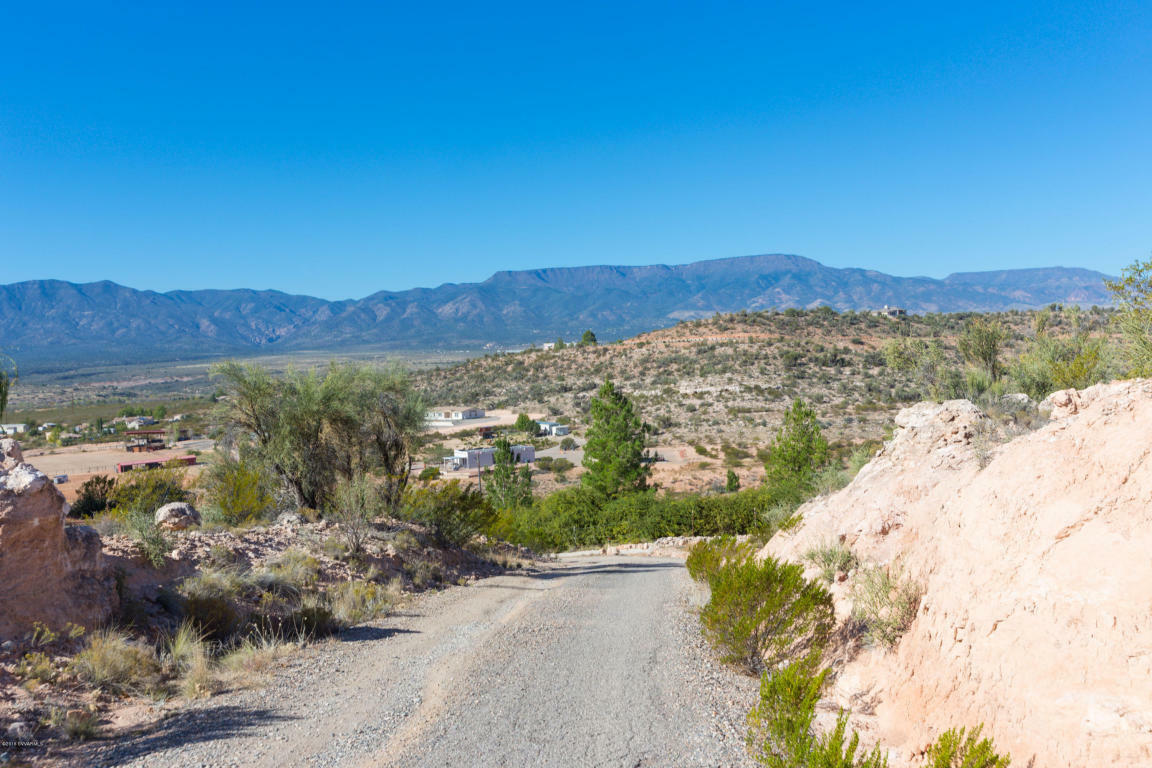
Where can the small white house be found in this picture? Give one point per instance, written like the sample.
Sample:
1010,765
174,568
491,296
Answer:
140,421
553,428
476,458
13,429
454,414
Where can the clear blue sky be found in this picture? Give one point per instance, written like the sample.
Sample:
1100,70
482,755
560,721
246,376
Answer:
337,149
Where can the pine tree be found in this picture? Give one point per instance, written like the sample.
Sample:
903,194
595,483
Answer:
798,451
508,488
588,339
614,452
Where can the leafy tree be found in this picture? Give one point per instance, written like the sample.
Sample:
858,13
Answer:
732,482
559,344
588,339
1133,295
312,430
981,343
924,360
526,424
614,453
799,450
508,487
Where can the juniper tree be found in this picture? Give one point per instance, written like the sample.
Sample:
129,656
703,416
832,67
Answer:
799,450
507,487
614,453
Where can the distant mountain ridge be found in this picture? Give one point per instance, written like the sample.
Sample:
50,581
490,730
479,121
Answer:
46,323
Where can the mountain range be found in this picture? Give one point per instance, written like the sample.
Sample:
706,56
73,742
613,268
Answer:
51,323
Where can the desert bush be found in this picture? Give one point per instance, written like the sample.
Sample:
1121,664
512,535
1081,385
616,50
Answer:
214,600
780,725
831,558
138,495
454,513
354,602
76,724
885,606
960,749
313,617
238,490
762,614
568,444
355,504
429,474
94,496
706,557
290,572
110,660
37,666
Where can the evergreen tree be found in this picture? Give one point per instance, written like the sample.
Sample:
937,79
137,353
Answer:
733,482
508,488
614,452
588,339
799,450
559,343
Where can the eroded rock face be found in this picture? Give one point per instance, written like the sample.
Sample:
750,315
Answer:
48,573
1037,612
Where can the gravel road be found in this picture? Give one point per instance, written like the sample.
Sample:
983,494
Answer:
590,661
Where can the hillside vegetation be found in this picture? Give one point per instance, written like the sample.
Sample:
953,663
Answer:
727,379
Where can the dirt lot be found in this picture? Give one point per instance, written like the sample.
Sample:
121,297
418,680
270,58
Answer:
81,462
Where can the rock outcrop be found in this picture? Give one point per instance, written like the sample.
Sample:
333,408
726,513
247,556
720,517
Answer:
177,516
48,572
1034,557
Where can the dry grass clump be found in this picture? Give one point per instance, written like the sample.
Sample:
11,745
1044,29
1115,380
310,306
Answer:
832,558
255,656
885,606
354,602
111,660
294,568
189,659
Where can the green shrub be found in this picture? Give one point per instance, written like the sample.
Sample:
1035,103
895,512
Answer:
780,725
355,504
762,614
37,666
240,492
884,605
94,496
959,749
429,474
706,557
453,513
290,572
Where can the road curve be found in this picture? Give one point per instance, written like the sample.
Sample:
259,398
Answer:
593,661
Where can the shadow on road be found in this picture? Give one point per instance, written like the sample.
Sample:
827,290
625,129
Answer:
604,569
189,726
363,633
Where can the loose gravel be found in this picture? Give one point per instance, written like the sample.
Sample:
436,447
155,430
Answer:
593,661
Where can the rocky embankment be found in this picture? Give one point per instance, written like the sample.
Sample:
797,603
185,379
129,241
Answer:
49,572
1033,558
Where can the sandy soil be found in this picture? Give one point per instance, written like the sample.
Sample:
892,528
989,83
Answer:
81,462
